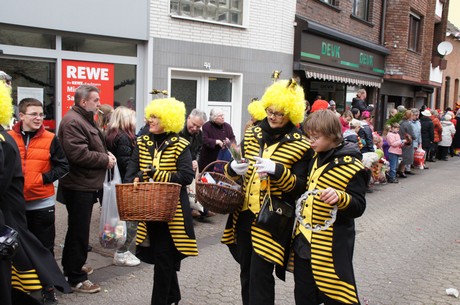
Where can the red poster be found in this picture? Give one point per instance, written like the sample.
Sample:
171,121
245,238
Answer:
76,73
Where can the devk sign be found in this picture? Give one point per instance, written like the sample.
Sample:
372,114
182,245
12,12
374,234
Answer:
76,73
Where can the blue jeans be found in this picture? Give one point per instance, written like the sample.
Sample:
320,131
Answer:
393,158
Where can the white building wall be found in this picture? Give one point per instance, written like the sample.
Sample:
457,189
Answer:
269,26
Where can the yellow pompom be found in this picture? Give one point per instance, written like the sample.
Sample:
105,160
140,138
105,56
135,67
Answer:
170,111
286,96
6,105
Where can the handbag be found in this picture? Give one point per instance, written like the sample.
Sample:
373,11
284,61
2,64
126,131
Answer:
276,216
223,155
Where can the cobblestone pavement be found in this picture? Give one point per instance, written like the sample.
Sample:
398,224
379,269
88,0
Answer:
407,252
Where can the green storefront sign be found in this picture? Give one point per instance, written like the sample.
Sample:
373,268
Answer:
324,51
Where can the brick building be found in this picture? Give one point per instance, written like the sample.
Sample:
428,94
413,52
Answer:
450,93
414,68
355,32
386,47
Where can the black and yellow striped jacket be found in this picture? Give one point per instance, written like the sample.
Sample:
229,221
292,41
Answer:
332,249
173,163
292,154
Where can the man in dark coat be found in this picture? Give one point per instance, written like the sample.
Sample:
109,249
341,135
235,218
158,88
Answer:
89,159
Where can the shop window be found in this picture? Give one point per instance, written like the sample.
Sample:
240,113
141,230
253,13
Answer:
25,38
124,86
414,32
361,9
33,79
222,11
91,45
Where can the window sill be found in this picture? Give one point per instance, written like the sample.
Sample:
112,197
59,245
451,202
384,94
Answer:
415,52
208,21
370,24
333,7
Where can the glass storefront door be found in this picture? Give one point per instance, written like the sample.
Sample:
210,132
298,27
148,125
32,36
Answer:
33,79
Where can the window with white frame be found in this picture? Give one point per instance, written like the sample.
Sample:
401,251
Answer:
361,9
414,32
222,11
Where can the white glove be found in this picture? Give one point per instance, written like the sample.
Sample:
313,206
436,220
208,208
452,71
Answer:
265,165
239,168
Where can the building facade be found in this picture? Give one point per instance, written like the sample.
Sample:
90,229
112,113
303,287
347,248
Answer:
450,94
414,69
206,53
49,55
222,59
339,50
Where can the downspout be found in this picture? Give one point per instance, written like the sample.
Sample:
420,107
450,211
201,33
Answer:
381,100
382,22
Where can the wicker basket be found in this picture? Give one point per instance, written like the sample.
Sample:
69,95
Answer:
147,201
218,198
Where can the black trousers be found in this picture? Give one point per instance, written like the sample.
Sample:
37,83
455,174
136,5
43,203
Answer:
79,207
5,282
165,282
305,290
41,223
256,274
443,151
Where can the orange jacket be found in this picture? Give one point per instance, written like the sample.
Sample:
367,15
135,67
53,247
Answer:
35,162
437,129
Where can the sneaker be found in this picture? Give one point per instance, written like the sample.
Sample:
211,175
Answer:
86,287
49,296
125,259
87,269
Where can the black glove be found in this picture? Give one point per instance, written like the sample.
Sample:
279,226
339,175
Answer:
150,171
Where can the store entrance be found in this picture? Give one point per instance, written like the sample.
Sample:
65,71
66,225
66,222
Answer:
33,79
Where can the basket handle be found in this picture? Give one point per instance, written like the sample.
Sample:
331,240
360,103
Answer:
198,175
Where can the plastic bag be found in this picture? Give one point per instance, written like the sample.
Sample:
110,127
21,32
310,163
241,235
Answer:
419,158
112,231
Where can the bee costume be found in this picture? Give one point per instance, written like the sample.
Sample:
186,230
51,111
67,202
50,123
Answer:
165,244
255,249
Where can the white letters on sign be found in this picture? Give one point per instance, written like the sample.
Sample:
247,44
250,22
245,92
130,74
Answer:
89,73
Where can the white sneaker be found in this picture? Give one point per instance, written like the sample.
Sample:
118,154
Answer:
125,259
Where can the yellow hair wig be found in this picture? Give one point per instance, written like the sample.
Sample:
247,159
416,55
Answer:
257,110
286,96
6,105
170,111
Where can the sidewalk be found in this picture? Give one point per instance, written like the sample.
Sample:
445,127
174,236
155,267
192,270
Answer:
406,252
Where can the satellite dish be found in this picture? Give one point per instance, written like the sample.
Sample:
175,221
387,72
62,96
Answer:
445,48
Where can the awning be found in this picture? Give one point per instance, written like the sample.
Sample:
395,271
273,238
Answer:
338,75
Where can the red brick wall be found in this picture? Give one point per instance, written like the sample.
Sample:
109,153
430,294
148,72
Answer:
412,65
340,20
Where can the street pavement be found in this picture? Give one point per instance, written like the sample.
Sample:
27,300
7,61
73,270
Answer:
407,252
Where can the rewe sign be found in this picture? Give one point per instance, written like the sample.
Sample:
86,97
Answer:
76,73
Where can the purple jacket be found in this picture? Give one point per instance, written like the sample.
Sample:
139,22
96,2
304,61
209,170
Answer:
211,133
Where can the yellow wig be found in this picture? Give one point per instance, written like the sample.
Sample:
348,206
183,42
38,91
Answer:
6,105
286,96
170,111
257,110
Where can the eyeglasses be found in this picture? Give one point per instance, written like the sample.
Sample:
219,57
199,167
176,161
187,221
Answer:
277,115
36,115
312,139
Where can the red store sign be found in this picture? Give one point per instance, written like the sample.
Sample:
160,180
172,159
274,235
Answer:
76,73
